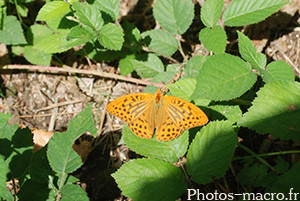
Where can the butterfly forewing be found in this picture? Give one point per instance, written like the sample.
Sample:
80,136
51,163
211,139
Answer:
135,109
179,116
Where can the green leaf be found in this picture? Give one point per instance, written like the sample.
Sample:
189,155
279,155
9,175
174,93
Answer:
22,10
132,37
111,36
36,56
53,10
243,12
169,151
183,88
223,77
193,66
211,151
6,195
254,175
77,36
109,9
3,119
88,15
148,65
160,42
38,32
73,192
126,65
18,151
288,182
224,112
211,12
174,15
12,32
3,171
51,44
62,25
277,70
275,110
161,77
150,179
31,189
62,158
281,165
249,52
213,39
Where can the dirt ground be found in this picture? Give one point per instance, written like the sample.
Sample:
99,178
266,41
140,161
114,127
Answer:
47,101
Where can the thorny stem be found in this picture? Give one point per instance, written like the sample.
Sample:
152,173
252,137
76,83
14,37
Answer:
81,71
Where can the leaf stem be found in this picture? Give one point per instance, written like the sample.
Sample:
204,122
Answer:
258,157
268,154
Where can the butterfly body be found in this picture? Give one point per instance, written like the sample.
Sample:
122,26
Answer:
169,115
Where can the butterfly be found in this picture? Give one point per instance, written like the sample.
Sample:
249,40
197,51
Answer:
169,115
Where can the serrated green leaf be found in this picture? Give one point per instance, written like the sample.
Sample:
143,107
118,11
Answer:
62,25
126,65
174,15
193,66
224,112
62,158
109,8
169,151
223,77
102,54
132,37
22,10
12,32
281,165
277,70
88,15
37,32
51,43
30,188
161,77
18,152
243,12
211,151
211,12
53,10
150,179
288,182
3,119
160,42
36,56
249,52
111,36
3,171
73,192
275,110
77,36
213,39
6,195
183,88
148,65
253,175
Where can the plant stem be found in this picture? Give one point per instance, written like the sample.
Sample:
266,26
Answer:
256,156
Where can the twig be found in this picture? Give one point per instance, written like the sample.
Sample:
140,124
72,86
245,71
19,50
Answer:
80,71
58,105
288,59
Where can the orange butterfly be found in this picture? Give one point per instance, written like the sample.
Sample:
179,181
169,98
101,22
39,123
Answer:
168,114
